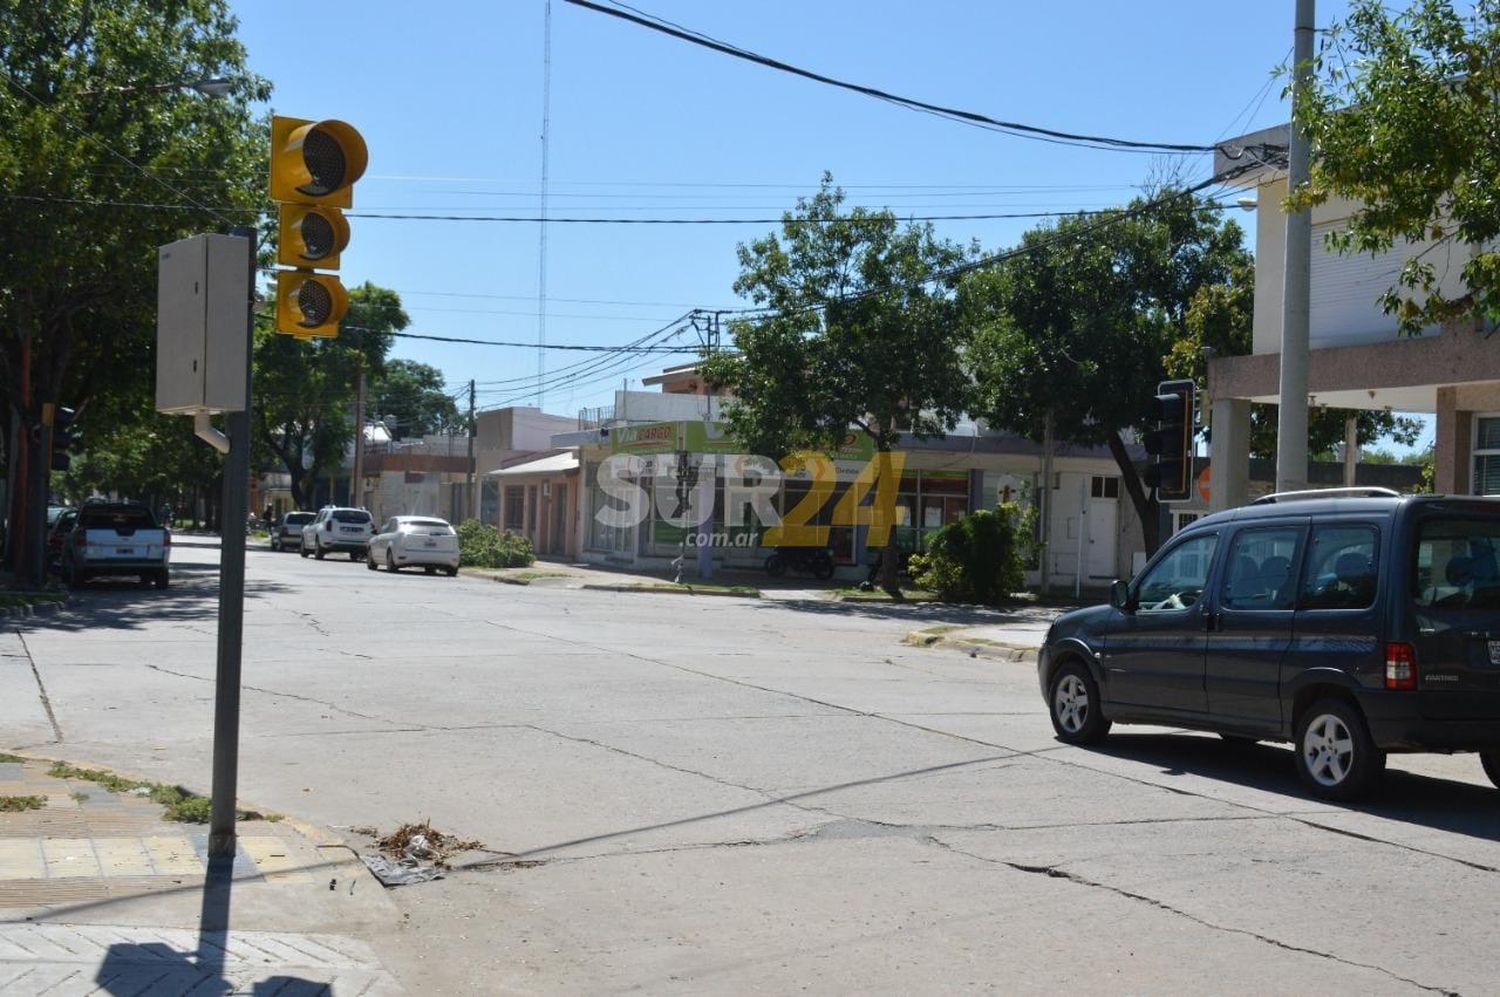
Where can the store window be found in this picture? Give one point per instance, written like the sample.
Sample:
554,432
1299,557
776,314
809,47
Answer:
1487,455
1104,488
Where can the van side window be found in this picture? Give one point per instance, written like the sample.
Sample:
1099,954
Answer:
1341,568
1258,573
1177,580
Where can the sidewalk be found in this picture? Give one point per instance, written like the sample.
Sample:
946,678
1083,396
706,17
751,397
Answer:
567,574
1018,638
99,893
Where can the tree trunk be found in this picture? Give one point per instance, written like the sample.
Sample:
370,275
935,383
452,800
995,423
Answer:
890,557
1147,509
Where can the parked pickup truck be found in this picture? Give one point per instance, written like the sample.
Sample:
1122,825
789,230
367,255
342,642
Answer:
117,538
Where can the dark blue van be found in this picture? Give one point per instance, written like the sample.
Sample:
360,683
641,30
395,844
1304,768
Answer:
1351,623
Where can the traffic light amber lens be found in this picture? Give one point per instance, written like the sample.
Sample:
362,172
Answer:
325,161
318,239
315,303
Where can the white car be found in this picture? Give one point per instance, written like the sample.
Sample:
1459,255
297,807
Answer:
414,541
337,529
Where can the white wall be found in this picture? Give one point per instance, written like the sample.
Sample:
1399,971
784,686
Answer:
654,406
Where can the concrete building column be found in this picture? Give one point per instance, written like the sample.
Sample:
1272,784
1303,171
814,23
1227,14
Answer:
1453,445
1229,454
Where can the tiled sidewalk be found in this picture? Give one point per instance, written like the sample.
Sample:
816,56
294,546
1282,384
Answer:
91,862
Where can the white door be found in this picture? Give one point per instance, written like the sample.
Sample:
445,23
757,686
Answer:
1104,527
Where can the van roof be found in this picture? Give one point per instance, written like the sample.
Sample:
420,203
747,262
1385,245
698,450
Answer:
1344,505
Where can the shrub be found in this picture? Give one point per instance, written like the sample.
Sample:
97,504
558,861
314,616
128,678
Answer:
981,558
481,545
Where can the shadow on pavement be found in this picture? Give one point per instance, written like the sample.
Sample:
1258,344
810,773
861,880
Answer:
157,968
1426,801
124,604
917,613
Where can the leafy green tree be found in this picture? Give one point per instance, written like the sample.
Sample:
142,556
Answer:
304,392
1074,328
1403,117
855,333
1219,318
78,156
413,393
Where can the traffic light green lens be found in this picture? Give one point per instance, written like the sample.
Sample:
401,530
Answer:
317,236
324,158
314,302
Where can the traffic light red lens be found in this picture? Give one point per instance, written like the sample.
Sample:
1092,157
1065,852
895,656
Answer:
318,238
314,302
324,157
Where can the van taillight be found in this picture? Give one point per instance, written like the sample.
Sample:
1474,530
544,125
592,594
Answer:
1400,666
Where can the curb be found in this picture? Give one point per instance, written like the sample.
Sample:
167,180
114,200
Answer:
666,590
974,646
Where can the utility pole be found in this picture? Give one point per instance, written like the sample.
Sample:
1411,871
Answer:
473,510
1048,445
1291,414
221,834
356,487
541,280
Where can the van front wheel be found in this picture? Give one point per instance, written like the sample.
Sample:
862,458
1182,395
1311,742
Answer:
1073,703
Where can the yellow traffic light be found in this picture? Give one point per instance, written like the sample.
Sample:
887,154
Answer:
311,236
315,162
314,165
309,304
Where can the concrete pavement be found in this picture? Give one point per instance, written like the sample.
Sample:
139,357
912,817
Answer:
720,795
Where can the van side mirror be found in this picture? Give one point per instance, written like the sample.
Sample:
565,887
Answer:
1119,595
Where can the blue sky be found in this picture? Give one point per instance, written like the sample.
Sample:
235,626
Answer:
449,97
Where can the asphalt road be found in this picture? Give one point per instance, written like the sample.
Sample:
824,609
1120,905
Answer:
722,795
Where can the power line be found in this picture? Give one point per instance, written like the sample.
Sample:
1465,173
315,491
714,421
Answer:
969,117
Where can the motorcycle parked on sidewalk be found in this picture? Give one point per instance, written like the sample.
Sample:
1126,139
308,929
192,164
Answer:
815,561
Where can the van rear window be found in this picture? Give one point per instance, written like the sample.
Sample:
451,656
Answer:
116,517
351,516
1456,564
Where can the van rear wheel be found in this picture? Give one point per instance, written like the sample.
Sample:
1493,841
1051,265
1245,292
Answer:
1491,762
1336,758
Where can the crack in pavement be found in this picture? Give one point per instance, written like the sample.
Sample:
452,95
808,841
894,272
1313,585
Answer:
311,621
1041,754
41,689
291,695
1057,872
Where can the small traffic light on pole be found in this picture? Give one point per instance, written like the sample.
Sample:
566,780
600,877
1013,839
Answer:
1171,442
314,165
58,438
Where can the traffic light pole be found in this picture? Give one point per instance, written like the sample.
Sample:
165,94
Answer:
221,836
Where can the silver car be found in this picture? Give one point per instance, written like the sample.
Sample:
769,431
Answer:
414,541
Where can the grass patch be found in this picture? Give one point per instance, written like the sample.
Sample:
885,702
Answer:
531,576
880,595
16,600
6,756
79,796
15,804
179,804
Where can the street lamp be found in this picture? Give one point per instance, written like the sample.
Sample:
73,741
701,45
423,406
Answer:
214,86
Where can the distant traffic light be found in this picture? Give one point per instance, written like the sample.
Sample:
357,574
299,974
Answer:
314,165
63,438
1171,442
